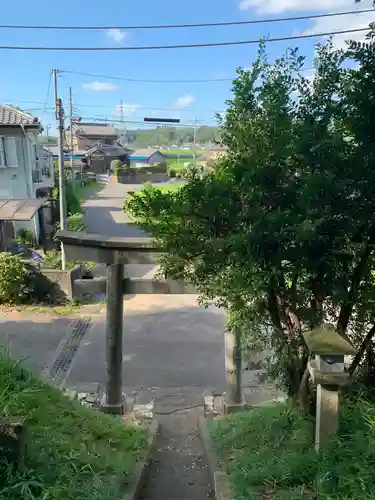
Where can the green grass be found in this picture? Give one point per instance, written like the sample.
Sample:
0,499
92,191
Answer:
182,152
74,452
68,309
170,188
82,192
165,188
272,450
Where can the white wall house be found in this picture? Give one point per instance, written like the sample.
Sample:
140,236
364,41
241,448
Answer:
25,167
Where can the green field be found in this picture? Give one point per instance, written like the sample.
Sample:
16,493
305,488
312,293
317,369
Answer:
188,153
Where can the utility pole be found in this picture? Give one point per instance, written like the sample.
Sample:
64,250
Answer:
71,128
124,132
60,137
122,112
194,140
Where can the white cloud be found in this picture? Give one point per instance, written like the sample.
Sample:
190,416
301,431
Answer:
116,35
276,6
341,23
127,109
97,86
184,101
323,24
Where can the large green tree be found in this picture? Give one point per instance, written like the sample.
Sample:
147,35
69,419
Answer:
282,232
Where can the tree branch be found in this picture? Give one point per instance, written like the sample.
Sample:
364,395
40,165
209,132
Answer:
274,313
358,357
348,304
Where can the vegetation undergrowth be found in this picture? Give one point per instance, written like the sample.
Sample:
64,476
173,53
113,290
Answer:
271,450
73,452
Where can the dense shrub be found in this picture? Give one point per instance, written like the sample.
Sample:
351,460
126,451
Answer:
22,282
172,172
293,244
76,222
26,238
73,204
13,278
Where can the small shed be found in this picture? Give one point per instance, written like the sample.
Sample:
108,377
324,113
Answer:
147,156
12,211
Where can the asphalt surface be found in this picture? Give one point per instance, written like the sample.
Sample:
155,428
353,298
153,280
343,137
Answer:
104,213
175,345
33,338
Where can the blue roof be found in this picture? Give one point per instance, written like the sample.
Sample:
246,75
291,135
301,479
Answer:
138,158
74,157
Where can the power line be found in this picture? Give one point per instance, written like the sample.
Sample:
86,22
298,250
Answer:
146,81
76,107
149,108
135,122
109,77
195,25
48,91
187,46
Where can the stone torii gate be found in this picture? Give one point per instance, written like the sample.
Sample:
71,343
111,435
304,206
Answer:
116,252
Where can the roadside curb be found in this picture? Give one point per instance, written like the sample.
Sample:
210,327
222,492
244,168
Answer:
142,468
219,478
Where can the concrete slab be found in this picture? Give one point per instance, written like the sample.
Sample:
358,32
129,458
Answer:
32,337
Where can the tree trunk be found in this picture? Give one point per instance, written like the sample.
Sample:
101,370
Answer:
303,393
362,350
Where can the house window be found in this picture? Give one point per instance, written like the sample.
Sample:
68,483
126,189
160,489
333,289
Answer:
3,159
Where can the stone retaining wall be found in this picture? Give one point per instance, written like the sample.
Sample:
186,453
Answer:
63,279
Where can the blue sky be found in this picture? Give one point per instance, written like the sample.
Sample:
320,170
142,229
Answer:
25,75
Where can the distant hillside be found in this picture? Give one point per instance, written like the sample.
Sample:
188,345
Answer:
167,136
48,141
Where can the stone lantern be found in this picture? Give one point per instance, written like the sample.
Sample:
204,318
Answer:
327,371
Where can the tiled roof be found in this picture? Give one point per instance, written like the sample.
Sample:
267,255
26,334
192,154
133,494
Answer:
95,129
12,116
108,150
144,152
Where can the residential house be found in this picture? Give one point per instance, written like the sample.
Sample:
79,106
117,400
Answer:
87,135
147,156
99,157
26,173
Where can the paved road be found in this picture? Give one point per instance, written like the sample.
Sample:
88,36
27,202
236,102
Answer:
33,338
104,213
169,343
